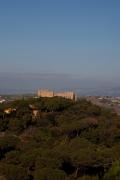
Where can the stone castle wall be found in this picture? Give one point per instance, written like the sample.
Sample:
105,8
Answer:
47,93
67,95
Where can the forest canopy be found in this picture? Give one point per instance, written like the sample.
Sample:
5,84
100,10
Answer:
56,138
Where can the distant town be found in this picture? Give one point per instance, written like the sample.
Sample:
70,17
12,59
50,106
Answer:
106,101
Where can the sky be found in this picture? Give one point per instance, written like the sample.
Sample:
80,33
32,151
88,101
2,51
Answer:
75,37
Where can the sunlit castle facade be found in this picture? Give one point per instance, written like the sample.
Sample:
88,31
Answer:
46,93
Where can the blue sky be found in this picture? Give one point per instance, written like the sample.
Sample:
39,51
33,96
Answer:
79,37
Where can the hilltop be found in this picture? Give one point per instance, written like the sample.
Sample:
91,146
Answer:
57,138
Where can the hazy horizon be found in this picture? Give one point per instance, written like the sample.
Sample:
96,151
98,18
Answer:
31,82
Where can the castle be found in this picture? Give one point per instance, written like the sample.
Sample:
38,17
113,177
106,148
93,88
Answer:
47,93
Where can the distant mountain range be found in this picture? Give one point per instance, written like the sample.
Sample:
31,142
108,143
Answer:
29,83
113,91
